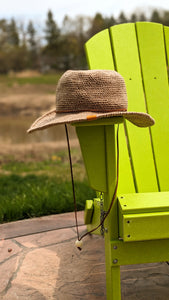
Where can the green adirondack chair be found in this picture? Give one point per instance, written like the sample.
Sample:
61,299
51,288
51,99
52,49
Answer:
137,229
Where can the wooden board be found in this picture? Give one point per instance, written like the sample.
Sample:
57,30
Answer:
99,55
126,56
99,52
144,202
154,70
146,226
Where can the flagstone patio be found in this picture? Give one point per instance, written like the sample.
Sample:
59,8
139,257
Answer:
38,261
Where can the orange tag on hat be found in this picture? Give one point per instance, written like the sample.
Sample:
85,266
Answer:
91,117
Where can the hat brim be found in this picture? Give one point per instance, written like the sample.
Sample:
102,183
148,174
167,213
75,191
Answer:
53,118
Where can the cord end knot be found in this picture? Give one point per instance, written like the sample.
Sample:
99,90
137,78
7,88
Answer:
79,244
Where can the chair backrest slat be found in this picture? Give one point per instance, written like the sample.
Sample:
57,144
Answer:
154,69
99,55
166,37
126,55
99,51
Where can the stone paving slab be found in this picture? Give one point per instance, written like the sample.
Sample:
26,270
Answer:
46,265
42,224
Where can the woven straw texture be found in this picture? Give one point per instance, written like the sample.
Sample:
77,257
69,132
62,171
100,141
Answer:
88,91
89,95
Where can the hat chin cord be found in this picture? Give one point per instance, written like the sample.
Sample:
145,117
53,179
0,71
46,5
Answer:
78,242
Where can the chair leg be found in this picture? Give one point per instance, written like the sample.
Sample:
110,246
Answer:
113,284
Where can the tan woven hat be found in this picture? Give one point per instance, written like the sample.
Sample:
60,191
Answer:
89,95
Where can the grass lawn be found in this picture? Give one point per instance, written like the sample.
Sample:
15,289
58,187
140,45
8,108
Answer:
36,187
38,195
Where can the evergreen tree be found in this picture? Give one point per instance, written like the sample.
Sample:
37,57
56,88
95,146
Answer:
3,33
109,21
122,18
31,35
133,18
142,17
13,36
97,24
165,19
50,52
4,59
52,33
31,32
155,17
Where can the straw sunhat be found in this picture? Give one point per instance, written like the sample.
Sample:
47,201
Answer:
83,96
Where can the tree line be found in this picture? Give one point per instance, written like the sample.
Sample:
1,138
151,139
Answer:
57,48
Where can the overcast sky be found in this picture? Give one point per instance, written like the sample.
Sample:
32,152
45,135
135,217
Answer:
36,10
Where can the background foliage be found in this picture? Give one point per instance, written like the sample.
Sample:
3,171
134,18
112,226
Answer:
23,46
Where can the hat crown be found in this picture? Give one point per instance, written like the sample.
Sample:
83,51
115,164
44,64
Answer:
91,90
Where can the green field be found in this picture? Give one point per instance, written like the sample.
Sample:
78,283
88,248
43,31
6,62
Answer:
38,187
